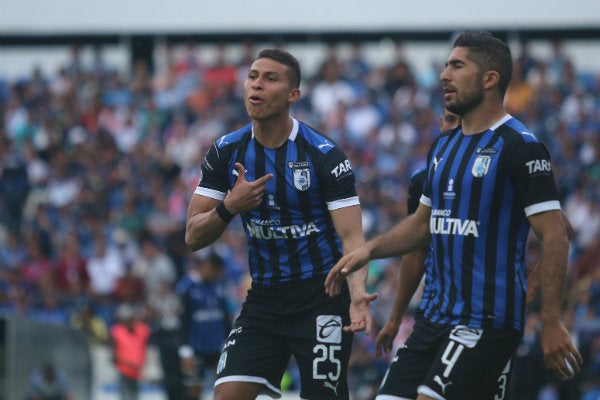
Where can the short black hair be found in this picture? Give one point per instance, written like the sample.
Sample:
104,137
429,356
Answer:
285,58
489,53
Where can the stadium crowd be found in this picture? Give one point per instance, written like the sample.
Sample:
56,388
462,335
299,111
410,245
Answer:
98,165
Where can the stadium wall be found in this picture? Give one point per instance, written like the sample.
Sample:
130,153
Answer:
26,344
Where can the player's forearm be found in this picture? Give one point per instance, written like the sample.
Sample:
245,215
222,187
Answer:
357,281
411,273
406,236
203,229
552,277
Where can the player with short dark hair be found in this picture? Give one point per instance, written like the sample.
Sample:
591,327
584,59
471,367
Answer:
295,192
488,183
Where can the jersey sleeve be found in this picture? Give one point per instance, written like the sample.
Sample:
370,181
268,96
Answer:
533,179
338,180
415,190
431,159
213,182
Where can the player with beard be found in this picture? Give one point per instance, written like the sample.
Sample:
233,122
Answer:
488,183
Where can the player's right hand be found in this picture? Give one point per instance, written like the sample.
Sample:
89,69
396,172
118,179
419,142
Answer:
245,196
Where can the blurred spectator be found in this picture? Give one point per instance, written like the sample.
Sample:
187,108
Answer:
14,183
205,321
93,327
331,89
130,288
37,271
12,254
71,268
519,94
358,67
129,341
164,313
154,267
47,382
50,309
220,78
104,267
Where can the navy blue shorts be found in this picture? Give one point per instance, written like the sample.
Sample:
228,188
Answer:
451,362
281,321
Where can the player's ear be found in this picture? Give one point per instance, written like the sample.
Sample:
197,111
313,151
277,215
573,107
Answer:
294,95
490,79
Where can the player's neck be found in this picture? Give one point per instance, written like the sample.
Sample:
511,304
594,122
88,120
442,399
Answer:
482,118
272,133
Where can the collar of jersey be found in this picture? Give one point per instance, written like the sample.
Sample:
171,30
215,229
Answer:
293,133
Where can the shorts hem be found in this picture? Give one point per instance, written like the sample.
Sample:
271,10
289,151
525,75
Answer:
268,389
427,391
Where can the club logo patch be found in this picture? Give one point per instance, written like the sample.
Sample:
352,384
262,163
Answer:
481,166
301,178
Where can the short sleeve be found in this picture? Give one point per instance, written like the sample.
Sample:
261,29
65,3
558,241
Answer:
532,176
213,182
338,180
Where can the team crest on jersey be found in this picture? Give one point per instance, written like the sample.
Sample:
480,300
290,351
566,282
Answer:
481,166
301,178
301,174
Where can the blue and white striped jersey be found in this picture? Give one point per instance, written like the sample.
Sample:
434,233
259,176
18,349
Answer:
481,188
290,235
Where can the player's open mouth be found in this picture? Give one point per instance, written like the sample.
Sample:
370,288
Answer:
255,99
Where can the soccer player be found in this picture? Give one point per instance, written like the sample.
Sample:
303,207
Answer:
414,264
295,191
488,182
205,321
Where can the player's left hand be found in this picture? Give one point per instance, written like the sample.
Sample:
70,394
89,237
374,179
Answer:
360,313
560,355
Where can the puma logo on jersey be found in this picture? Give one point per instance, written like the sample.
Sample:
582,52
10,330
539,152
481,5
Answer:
331,386
443,385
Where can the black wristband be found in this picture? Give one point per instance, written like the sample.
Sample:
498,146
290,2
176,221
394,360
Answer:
224,213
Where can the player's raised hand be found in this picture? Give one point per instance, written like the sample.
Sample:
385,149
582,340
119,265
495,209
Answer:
347,264
246,196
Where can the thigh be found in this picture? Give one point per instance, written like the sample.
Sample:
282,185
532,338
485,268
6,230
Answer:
322,355
412,362
254,356
471,363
